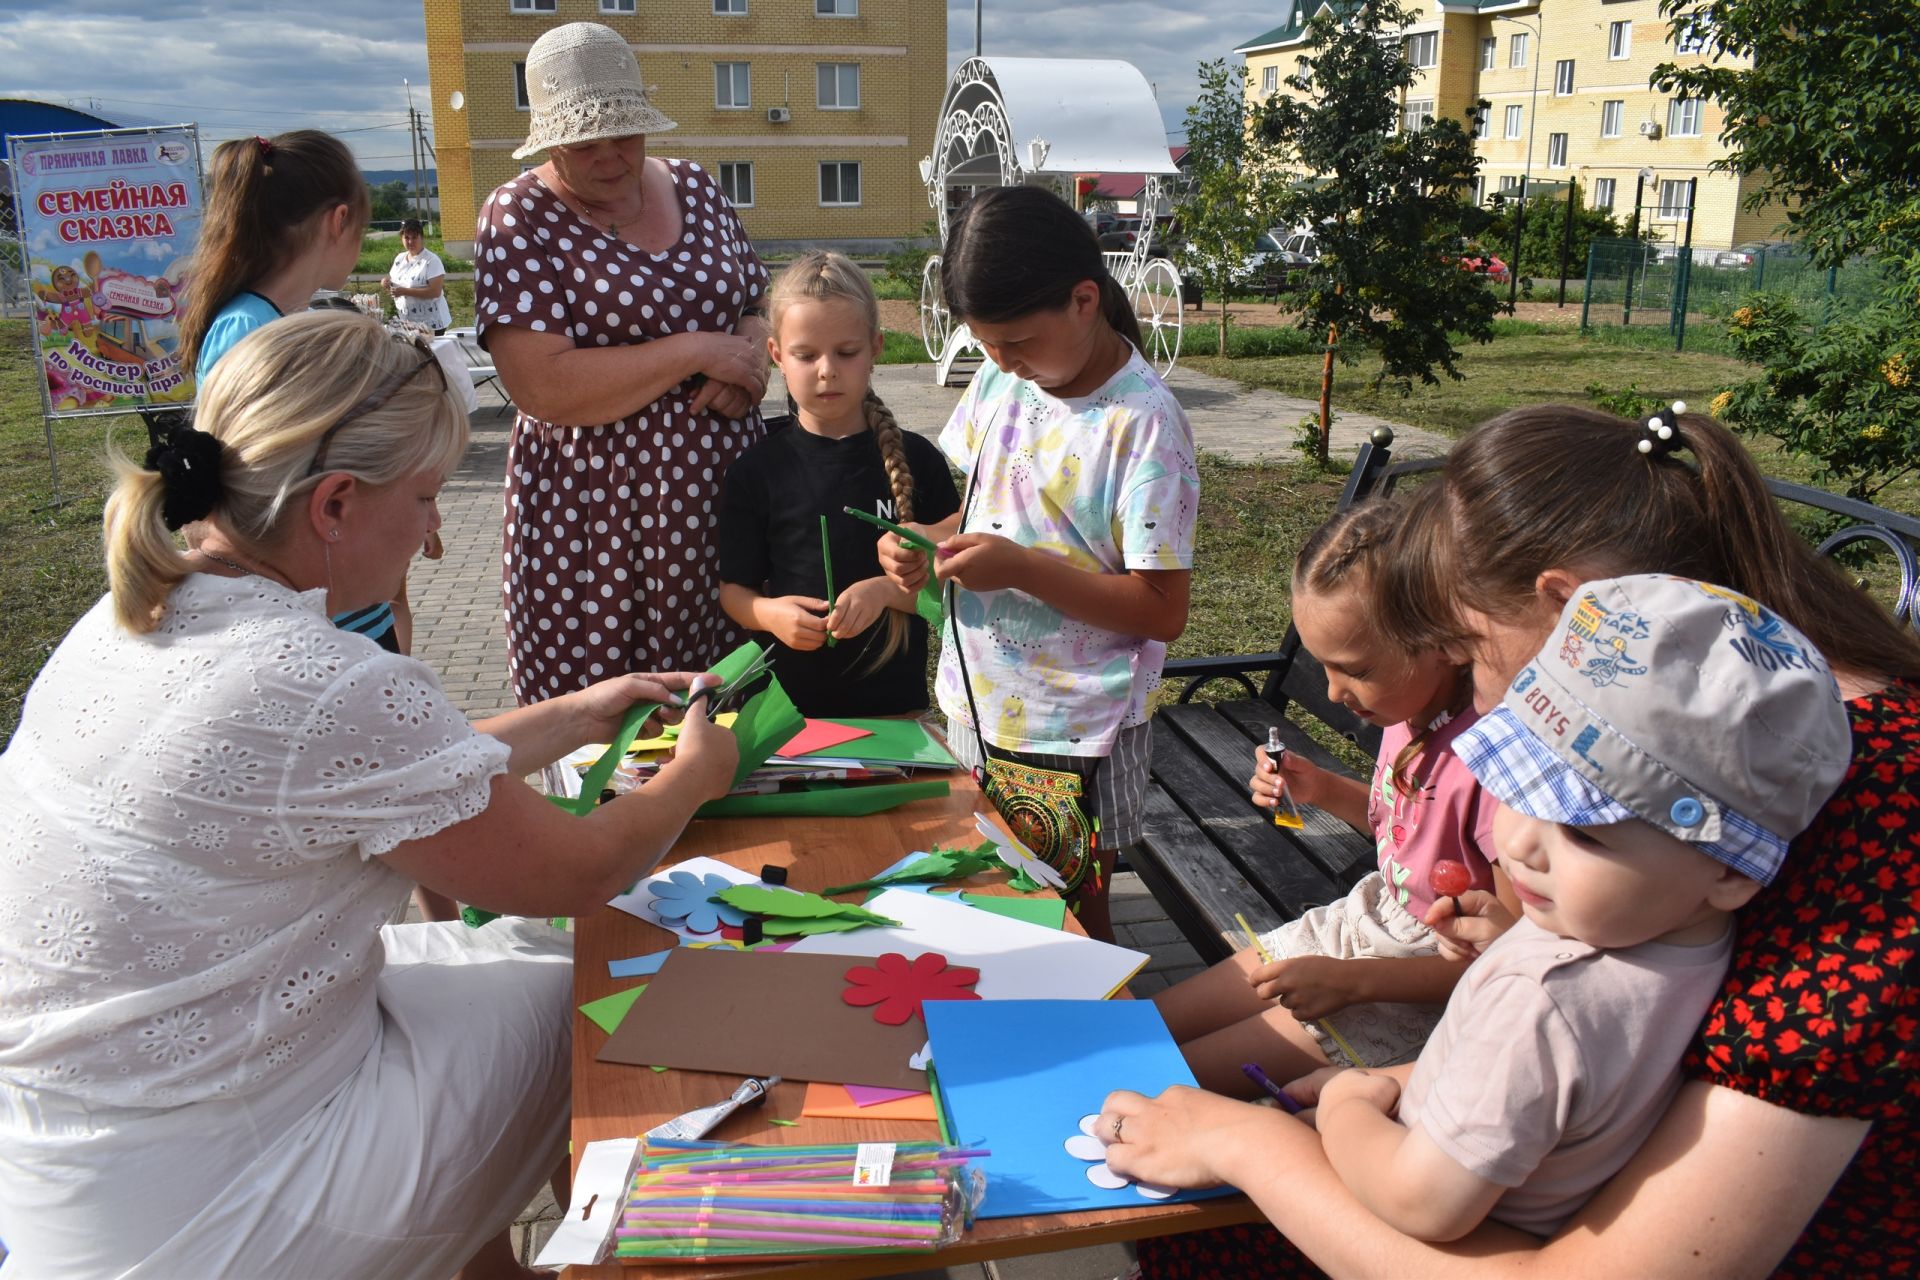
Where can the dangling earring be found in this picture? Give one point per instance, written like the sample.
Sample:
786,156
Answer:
326,555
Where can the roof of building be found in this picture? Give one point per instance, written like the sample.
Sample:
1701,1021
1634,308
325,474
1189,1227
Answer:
1127,186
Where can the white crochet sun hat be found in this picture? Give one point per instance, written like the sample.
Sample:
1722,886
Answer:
583,83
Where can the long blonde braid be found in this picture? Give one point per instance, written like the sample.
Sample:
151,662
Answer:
893,456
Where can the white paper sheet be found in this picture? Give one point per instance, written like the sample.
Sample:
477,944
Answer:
635,903
598,1188
1016,960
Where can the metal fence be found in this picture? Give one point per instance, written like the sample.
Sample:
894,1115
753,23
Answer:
1661,287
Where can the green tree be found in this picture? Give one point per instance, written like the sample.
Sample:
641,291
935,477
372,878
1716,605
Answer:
1390,206
389,201
1545,230
1225,205
1819,99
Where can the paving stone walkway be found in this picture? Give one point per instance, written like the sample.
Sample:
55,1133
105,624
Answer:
458,631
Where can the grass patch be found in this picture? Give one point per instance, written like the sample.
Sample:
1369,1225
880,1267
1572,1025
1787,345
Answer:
1525,364
902,348
1246,342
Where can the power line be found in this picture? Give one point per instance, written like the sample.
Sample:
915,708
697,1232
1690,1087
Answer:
262,111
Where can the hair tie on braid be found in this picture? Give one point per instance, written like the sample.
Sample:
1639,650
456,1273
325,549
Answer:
188,461
1663,430
265,145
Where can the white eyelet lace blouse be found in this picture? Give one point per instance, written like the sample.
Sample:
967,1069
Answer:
189,902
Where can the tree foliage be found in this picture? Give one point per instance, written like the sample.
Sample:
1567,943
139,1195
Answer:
1819,98
1545,230
1391,207
1227,200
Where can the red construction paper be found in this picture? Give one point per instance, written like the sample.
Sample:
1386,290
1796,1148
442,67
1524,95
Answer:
896,985
819,735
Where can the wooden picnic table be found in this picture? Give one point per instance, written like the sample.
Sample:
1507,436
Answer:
612,1100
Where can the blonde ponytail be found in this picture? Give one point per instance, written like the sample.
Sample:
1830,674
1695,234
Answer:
143,564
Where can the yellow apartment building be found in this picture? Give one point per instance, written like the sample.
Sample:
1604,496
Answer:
1570,81
812,114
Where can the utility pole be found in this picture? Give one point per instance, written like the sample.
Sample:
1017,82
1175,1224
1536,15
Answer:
413,145
976,27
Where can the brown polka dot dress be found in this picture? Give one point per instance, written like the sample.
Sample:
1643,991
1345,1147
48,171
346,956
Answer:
611,561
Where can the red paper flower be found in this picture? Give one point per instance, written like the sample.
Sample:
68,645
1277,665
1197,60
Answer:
897,985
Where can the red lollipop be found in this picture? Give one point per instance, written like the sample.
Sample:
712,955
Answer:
1450,879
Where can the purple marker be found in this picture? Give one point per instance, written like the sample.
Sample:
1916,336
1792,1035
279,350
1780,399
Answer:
1279,1095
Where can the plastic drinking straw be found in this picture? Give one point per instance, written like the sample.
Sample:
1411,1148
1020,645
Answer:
826,558
1266,957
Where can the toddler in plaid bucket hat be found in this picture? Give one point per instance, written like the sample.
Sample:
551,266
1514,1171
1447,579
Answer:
1652,764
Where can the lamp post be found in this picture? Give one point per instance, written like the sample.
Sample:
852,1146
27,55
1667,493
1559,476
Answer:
1539,53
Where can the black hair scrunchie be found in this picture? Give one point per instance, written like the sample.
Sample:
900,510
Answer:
188,461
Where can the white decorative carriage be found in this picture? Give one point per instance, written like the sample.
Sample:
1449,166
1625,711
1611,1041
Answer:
1010,121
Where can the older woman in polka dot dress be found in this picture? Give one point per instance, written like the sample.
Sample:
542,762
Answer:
622,305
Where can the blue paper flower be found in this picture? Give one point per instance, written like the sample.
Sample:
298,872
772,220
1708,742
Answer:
682,898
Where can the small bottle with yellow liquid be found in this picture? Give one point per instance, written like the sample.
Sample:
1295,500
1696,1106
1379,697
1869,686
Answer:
1285,812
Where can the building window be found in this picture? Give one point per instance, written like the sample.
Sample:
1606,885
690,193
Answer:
839,87
1517,49
1563,78
1509,186
1515,118
733,85
1270,79
1683,117
1690,35
840,182
1483,122
1480,189
1488,51
1417,114
616,6
1673,198
1556,151
729,8
531,6
1619,40
736,182
1612,111
836,9
1301,66
1603,193
520,85
1423,50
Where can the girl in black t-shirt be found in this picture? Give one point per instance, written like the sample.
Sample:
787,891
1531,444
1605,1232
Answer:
866,653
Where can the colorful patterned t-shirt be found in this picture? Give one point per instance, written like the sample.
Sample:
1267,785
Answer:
1107,483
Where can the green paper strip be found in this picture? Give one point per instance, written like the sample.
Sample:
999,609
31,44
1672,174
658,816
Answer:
658,1070
784,1124
608,1012
928,607
901,532
832,801
826,560
1050,913
939,1104
808,926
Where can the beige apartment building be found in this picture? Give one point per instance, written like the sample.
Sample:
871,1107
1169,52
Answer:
1570,79
812,114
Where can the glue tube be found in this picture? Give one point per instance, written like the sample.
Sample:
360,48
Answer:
702,1120
1285,812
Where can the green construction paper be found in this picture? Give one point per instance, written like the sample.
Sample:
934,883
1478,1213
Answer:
892,741
1049,912
767,723
788,904
928,607
607,1012
809,925
831,800
939,864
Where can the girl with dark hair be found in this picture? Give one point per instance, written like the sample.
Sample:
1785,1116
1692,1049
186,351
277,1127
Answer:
284,218
1359,981
1074,544
784,503
1790,1149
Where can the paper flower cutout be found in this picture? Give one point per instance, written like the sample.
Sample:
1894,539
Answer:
896,986
682,898
1088,1145
1019,858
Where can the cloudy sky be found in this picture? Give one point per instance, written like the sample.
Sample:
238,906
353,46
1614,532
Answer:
239,67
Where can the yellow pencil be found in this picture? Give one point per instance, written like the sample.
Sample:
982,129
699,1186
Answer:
1266,957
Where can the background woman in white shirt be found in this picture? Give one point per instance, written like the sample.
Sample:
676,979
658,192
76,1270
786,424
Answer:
418,282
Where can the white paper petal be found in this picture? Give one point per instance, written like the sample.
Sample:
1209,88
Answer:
1104,1178
1085,1147
1089,1125
1152,1192
919,1061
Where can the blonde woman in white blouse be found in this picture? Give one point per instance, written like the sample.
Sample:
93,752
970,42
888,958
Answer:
417,281
216,1056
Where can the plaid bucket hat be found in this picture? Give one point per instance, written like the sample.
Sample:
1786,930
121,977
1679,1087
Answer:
1682,704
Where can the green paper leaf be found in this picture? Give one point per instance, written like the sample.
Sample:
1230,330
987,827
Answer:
1023,883
767,723
818,924
940,864
608,1012
786,904
784,1124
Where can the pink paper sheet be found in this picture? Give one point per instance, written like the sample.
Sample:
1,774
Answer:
867,1095
819,735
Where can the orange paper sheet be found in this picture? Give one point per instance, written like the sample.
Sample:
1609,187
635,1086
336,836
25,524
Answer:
834,1100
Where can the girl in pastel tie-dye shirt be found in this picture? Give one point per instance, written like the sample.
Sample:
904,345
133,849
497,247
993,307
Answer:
1074,545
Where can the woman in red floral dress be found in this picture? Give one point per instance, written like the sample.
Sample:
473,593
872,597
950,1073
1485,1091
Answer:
1791,1149
624,309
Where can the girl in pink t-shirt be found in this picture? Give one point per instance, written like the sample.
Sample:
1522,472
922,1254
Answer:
1360,981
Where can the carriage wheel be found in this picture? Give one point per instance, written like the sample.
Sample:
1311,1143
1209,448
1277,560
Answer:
936,322
1156,303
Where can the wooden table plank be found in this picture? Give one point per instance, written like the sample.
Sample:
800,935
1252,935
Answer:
611,1100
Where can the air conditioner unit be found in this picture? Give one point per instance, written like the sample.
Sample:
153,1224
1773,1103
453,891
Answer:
1649,128
779,115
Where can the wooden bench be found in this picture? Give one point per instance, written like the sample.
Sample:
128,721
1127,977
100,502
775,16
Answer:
1210,856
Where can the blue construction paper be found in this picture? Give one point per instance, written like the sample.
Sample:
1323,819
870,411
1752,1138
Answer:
638,966
1016,1076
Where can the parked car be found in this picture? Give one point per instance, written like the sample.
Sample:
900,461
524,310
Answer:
1304,245
1745,255
1120,234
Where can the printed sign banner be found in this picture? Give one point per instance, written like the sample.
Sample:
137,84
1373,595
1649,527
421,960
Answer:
109,220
